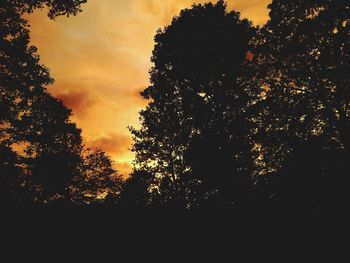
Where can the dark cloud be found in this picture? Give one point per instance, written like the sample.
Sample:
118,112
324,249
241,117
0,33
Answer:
78,101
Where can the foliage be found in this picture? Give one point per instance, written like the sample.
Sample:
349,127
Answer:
238,116
302,60
40,146
196,95
98,182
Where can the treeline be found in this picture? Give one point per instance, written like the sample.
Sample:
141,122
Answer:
239,117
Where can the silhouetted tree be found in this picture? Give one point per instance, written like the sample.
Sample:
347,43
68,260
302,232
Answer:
55,7
10,177
137,192
34,126
302,60
306,59
54,148
195,125
98,182
310,180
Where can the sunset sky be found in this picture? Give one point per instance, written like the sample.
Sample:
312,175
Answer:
100,61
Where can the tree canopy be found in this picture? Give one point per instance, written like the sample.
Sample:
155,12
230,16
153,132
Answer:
189,129
238,116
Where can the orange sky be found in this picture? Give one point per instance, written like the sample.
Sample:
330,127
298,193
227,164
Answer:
100,61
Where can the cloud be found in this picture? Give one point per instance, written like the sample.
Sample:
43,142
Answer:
124,168
117,147
112,144
255,10
161,12
78,101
